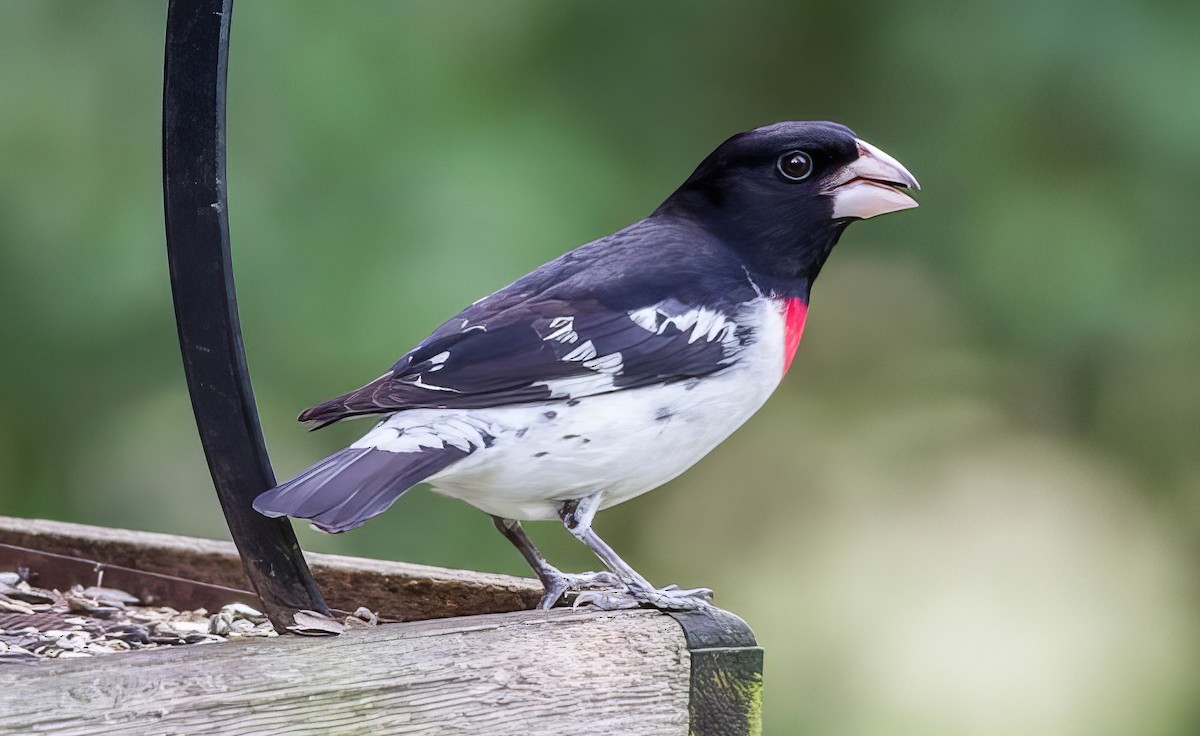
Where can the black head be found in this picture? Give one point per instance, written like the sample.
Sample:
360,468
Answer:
781,195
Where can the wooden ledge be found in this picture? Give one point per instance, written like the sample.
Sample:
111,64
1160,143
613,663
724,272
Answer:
499,674
395,590
474,670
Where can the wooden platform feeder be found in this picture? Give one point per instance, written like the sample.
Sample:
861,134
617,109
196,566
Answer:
465,656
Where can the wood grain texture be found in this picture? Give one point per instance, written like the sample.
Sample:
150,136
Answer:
561,672
396,590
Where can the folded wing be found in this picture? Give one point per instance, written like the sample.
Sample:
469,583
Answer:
547,350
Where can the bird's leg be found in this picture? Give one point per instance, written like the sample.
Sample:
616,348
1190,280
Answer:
556,582
577,517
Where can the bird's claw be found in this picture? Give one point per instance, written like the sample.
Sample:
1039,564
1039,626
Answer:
705,594
670,598
611,600
584,583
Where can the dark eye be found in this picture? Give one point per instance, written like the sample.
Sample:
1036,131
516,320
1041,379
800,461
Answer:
795,165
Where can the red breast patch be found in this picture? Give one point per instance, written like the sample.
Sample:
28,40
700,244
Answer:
794,313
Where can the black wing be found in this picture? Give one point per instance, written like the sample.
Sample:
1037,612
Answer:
547,350
653,303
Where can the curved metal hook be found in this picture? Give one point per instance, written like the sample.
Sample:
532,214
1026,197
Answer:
210,337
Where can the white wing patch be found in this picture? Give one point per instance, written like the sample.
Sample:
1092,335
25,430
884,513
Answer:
420,383
703,324
605,367
563,330
423,429
466,326
585,351
612,364
439,361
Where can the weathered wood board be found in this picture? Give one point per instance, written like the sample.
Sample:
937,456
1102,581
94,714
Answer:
396,590
521,672
561,672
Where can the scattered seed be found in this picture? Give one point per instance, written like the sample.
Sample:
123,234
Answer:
37,623
311,623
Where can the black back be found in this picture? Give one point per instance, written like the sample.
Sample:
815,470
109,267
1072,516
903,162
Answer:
736,230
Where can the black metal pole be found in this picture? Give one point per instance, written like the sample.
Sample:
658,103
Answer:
210,337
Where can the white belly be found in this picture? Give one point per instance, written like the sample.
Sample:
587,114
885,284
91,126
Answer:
623,443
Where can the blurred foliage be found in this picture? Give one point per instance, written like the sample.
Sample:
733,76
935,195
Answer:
973,507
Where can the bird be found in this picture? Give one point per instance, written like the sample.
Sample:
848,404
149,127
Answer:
615,367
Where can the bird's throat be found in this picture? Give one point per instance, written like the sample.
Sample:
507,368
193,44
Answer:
792,256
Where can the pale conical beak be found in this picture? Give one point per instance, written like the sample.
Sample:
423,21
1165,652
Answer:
873,184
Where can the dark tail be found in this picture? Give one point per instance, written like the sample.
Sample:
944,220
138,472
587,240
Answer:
349,487
369,399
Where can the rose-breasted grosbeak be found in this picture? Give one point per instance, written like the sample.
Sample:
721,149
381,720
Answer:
615,367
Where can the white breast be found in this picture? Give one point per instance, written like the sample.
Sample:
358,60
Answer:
623,442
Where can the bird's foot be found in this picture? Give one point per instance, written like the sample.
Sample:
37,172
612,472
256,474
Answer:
583,583
670,598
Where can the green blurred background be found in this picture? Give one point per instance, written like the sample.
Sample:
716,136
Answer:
973,508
